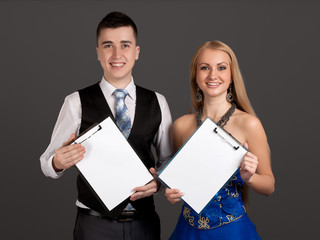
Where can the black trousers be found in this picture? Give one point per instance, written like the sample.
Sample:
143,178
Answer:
89,227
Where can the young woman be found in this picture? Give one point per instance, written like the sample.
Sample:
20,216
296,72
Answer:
218,92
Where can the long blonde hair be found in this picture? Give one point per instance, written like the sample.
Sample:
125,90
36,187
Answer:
239,92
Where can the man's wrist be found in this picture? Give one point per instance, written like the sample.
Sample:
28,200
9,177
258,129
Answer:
56,169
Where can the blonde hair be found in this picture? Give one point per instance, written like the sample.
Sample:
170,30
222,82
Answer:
238,90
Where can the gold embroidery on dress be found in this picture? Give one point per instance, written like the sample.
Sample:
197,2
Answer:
186,214
203,223
231,218
234,178
237,187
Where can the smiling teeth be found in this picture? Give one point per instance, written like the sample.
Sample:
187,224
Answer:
117,64
214,84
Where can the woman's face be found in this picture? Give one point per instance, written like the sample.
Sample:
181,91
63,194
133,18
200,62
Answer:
213,72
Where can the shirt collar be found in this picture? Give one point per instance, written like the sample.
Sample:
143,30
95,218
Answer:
108,89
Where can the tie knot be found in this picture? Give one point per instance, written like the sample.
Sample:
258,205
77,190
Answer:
120,93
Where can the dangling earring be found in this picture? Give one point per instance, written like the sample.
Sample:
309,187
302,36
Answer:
198,95
229,94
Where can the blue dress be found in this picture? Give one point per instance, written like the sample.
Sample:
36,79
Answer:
224,217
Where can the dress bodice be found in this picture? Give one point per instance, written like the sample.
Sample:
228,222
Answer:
225,207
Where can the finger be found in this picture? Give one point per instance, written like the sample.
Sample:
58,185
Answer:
246,145
74,162
71,138
70,155
175,201
250,160
175,196
250,169
251,155
69,148
65,160
76,156
151,184
139,195
171,191
152,171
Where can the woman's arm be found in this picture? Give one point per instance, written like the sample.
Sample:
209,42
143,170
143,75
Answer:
255,169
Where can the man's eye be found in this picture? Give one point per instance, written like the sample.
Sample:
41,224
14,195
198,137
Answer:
125,45
107,46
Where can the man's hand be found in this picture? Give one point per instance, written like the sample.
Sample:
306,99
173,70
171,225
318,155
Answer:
147,190
67,155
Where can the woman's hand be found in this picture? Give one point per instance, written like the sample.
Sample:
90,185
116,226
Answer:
173,195
248,166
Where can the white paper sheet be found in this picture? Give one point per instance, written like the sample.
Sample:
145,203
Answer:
203,164
110,164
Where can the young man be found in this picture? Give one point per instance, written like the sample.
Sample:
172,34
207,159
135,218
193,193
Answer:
148,121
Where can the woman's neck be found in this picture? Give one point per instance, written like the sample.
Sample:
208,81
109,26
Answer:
215,108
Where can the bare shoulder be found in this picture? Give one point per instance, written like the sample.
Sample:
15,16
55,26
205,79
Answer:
185,120
183,127
247,127
247,121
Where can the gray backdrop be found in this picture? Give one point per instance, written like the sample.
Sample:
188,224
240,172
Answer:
47,51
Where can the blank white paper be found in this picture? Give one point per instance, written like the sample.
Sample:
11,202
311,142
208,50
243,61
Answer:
203,164
110,165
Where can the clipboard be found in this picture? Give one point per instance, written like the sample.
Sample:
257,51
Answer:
110,165
203,165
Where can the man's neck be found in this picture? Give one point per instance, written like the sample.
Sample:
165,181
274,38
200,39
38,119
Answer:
119,83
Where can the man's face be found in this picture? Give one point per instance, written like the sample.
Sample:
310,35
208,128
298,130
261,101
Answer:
117,53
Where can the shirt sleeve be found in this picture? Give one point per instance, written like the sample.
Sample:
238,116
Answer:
163,139
68,122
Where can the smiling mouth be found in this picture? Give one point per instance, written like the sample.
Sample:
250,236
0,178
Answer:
214,84
117,64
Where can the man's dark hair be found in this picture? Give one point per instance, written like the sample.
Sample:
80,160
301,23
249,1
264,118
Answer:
116,20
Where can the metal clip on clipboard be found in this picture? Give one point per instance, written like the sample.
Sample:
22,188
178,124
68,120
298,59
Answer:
235,147
87,133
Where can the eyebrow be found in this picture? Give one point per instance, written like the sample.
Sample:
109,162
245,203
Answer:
126,41
223,63
123,41
217,63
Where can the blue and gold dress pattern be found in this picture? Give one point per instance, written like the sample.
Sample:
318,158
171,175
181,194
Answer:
223,218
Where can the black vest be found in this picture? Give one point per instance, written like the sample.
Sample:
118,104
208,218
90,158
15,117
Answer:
146,123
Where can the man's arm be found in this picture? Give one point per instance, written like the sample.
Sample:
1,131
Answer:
68,123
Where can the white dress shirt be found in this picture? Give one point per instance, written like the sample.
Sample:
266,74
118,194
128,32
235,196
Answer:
69,121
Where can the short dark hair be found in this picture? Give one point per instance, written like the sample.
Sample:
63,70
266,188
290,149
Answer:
116,20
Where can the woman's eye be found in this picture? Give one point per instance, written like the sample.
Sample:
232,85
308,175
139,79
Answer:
222,68
204,68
